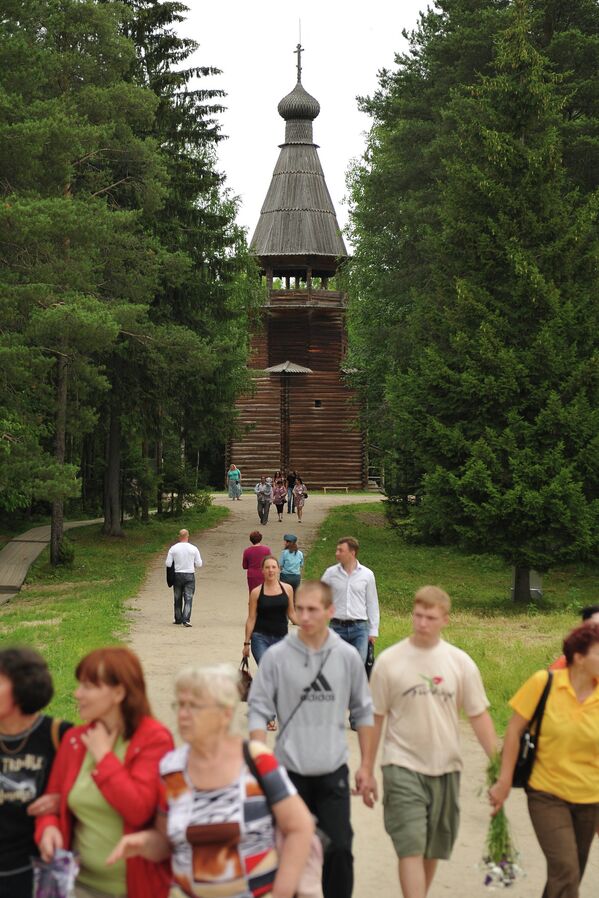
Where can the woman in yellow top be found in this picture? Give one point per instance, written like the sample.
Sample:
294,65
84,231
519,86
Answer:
563,790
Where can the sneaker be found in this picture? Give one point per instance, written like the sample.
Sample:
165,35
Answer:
186,623
177,622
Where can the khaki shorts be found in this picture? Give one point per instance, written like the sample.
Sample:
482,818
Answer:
421,813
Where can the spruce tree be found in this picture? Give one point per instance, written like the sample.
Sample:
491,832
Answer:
395,195
183,379
78,266
500,402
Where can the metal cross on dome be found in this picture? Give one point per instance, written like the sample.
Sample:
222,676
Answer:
299,50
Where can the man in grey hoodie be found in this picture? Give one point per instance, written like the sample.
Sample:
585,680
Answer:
309,680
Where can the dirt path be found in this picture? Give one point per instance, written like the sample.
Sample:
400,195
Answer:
219,611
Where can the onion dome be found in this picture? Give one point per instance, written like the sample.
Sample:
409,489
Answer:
297,218
299,104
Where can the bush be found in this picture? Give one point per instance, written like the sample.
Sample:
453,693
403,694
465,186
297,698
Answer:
66,552
200,501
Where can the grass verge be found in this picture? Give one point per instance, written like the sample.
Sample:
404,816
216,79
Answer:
66,612
507,641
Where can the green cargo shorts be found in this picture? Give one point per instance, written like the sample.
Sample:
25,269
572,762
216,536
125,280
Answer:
421,813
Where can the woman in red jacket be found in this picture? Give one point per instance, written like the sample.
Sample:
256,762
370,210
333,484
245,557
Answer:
106,773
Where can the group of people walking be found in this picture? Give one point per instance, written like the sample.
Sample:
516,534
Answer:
277,491
280,489
223,815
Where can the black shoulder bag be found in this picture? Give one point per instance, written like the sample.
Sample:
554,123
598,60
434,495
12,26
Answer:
529,739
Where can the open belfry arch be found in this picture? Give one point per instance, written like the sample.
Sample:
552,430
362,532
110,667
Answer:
301,414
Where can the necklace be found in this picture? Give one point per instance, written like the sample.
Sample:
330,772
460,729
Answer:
20,746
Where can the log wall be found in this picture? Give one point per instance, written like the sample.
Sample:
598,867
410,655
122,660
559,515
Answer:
314,418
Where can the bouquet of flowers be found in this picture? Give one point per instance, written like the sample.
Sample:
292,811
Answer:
500,861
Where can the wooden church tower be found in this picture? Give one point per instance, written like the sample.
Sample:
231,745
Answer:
301,414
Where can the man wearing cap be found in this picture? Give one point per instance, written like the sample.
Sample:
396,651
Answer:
263,491
354,596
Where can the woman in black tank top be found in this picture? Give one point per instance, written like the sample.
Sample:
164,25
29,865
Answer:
270,606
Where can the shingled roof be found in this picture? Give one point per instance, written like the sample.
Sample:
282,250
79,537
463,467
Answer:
298,218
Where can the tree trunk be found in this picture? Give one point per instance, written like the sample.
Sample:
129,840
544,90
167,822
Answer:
144,498
159,507
112,477
57,522
522,584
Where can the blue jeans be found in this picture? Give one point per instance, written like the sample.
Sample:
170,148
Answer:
183,590
356,633
261,642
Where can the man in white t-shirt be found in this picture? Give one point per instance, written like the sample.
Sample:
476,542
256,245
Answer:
420,685
186,558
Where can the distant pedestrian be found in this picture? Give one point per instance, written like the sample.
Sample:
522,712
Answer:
234,482
186,558
252,560
279,494
263,490
300,494
291,478
291,561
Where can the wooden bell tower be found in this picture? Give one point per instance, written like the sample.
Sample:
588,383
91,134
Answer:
301,414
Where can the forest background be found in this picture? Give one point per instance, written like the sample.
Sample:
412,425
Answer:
127,291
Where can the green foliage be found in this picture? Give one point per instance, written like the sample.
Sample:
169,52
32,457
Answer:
125,285
485,388
66,552
201,500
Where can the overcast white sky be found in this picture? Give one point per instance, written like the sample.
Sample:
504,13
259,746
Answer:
346,42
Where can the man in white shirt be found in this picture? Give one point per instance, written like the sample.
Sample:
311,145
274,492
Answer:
354,596
186,558
420,685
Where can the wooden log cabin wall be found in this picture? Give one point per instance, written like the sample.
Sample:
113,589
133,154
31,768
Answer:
301,414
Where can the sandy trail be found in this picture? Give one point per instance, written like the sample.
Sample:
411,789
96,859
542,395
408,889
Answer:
219,611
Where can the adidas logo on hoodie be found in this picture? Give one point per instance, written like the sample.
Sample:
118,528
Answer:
319,690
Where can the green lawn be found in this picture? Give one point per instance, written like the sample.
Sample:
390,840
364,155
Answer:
65,613
508,642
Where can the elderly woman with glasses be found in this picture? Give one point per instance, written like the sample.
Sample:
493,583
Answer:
222,799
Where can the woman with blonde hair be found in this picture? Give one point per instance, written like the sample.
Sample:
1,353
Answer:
221,797
106,776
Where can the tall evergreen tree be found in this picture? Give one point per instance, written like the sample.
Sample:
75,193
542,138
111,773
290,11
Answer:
395,194
78,269
187,375
500,401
